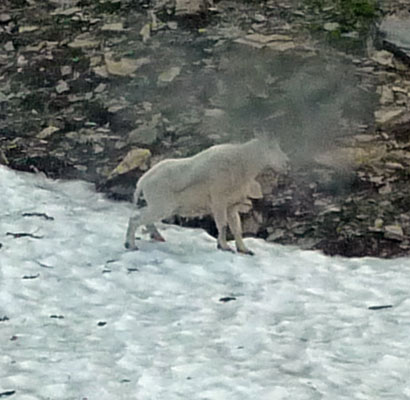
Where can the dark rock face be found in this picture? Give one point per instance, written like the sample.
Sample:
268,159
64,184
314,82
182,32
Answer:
395,33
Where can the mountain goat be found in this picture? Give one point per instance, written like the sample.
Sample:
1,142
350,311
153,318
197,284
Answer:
219,181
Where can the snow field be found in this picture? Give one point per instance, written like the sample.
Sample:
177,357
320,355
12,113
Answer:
82,318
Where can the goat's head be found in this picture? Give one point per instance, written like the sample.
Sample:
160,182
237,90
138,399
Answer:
277,159
274,157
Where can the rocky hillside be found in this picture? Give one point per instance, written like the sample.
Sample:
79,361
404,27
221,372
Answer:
102,89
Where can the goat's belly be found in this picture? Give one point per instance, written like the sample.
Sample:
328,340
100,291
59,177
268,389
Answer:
192,204
193,212
195,201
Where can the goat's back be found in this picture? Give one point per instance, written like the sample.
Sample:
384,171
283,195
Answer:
200,168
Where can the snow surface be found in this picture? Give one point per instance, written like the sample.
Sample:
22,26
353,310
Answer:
87,319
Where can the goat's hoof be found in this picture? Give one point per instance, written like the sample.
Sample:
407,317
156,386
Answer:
227,248
130,246
157,237
247,252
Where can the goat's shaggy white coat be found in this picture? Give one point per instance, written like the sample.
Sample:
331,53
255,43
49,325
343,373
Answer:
218,181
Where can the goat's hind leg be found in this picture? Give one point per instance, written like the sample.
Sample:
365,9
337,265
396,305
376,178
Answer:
148,215
154,233
133,224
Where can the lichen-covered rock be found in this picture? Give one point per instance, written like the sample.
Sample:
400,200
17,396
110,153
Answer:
134,159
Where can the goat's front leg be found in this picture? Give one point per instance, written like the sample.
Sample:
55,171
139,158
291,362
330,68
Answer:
221,221
234,221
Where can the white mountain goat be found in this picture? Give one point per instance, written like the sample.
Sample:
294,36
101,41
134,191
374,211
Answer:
219,181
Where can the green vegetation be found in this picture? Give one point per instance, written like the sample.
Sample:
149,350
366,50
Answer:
346,11
358,14
348,21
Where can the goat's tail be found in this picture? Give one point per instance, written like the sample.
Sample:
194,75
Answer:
137,193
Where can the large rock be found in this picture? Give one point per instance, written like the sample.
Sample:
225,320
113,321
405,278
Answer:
134,159
396,36
393,232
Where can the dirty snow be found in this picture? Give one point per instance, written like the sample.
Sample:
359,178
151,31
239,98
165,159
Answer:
82,318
